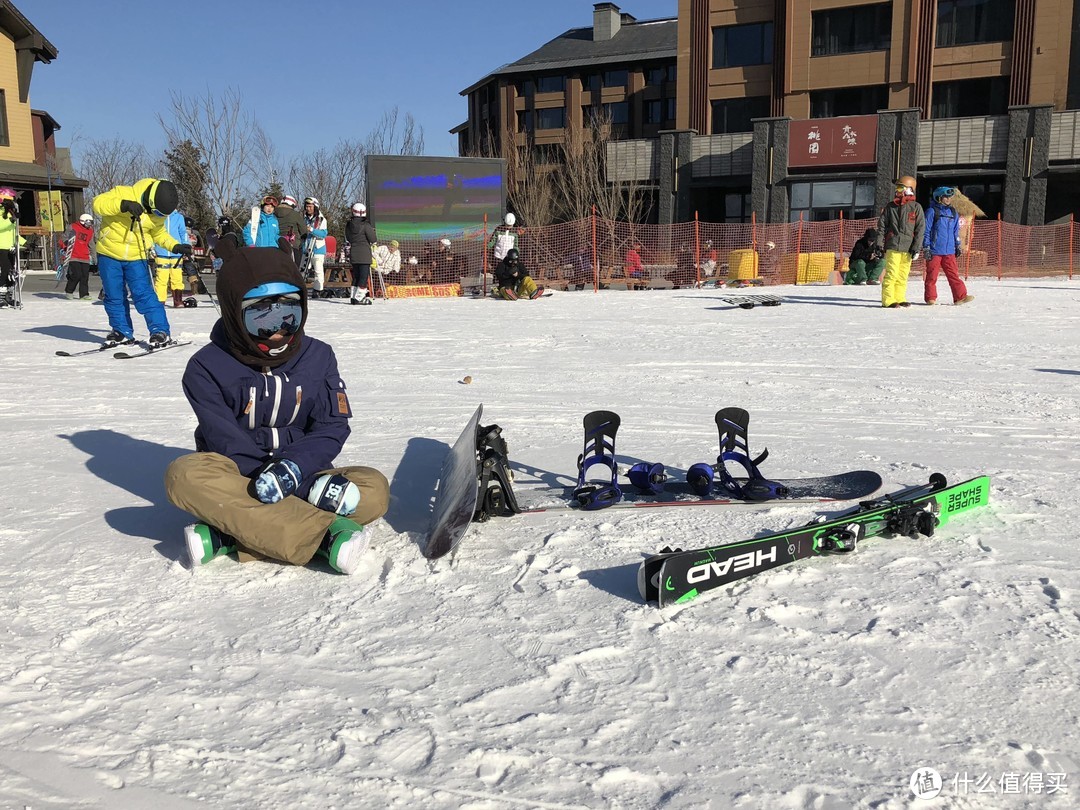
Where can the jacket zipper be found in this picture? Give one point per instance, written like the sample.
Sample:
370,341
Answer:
296,410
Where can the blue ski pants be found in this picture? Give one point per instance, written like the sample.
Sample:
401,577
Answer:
117,275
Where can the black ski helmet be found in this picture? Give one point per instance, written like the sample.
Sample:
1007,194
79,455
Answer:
512,256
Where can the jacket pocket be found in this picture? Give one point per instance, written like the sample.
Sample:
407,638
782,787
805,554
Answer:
339,399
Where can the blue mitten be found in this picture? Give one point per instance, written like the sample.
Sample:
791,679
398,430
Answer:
277,481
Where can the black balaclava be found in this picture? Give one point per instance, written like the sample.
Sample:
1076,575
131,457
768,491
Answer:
243,269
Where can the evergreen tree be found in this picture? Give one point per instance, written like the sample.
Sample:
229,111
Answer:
185,166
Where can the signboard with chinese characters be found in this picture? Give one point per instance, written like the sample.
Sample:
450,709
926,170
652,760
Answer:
850,141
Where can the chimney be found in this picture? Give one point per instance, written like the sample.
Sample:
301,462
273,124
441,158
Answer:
606,21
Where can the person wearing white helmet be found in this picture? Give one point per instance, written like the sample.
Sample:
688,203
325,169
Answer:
503,238
360,234
78,244
447,267
314,240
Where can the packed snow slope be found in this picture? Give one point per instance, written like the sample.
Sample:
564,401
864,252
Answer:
525,671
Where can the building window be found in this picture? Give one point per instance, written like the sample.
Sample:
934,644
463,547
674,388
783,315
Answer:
619,111
735,114
526,88
590,82
964,22
652,112
848,101
988,196
825,200
737,207
551,84
551,118
672,71
739,45
669,109
5,139
968,98
616,78
654,76
525,121
851,30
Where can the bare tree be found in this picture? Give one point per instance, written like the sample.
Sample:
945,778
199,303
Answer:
113,162
392,135
530,187
334,176
227,137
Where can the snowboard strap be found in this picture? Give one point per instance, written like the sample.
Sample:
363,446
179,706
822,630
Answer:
649,478
755,488
700,478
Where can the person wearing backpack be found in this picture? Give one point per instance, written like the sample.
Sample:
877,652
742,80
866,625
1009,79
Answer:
941,246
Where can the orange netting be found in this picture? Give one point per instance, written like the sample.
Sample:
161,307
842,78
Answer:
595,253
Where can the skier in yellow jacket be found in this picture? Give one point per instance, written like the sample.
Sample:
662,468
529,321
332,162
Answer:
132,222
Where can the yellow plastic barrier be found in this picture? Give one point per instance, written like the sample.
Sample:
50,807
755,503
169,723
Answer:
811,268
742,265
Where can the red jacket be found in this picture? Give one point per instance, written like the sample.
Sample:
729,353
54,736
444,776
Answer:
80,250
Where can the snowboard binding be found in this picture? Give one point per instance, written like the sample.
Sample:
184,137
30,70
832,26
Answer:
494,476
735,448
600,430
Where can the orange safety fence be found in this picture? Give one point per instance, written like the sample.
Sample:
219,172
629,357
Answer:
595,253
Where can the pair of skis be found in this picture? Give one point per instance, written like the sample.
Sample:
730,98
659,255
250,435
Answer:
129,352
676,576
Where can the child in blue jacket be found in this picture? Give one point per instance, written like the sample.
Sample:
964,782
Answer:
273,415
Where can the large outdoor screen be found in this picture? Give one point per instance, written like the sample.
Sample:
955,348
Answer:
430,197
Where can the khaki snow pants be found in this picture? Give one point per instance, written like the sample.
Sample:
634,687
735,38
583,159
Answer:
209,486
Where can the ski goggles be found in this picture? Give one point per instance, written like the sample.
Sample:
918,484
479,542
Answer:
266,317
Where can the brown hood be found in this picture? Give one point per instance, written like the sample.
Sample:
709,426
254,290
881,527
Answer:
243,269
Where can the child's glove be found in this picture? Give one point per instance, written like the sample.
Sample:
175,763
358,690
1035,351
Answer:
277,481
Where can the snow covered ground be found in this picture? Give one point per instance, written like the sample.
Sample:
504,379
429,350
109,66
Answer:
526,672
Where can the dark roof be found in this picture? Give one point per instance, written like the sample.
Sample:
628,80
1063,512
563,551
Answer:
636,42
20,28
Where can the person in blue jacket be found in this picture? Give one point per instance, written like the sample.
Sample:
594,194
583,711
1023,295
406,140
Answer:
169,270
941,246
263,229
273,414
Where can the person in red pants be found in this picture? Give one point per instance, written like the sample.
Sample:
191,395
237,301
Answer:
941,246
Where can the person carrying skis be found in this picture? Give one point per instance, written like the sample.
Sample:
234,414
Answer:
314,241
132,221
503,238
865,262
360,236
512,279
900,227
941,246
273,415
263,229
169,270
9,228
79,240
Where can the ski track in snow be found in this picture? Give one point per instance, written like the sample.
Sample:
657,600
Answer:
524,671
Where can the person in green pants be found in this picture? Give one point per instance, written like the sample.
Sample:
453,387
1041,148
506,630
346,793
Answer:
866,260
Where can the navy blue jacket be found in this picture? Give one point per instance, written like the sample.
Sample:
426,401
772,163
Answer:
299,410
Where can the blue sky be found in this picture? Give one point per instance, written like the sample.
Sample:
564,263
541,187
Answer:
311,72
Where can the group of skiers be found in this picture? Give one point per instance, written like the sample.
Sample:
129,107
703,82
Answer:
905,231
